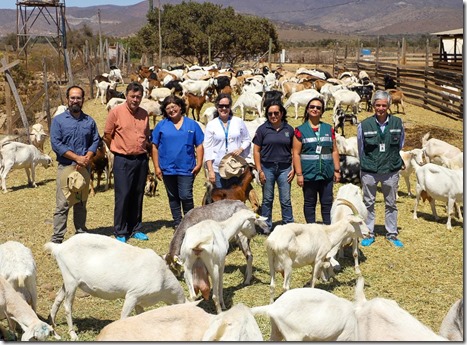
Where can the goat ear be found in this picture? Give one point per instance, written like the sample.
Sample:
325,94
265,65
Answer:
23,327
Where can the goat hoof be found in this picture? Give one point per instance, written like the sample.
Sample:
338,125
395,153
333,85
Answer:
73,336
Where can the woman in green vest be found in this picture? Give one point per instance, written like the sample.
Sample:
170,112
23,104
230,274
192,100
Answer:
316,161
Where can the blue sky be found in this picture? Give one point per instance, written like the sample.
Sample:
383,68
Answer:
11,4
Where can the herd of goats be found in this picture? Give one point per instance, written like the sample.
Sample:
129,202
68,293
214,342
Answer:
105,268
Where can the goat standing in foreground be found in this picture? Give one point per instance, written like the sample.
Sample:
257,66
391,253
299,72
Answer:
339,210
105,268
218,211
435,182
296,245
203,252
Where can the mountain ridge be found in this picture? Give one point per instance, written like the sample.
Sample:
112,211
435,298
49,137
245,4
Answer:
336,17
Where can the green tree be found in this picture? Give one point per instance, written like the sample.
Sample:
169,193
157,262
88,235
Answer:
188,28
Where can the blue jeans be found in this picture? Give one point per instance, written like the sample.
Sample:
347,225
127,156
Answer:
276,172
180,193
311,190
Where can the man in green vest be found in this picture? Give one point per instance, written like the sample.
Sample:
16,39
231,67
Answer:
380,137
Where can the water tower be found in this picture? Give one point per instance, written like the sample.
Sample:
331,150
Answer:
41,20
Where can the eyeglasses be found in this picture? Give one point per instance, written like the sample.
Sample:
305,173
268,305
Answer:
171,107
275,113
315,107
223,106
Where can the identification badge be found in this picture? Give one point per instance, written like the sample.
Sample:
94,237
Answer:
318,149
382,148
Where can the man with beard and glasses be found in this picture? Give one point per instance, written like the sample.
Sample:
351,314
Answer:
74,138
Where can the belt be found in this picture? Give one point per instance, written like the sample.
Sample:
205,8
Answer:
131,157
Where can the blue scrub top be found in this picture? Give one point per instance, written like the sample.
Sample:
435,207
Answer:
177,147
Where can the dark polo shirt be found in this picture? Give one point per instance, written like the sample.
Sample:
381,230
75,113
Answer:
276,146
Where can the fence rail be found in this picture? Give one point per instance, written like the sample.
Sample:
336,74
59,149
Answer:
436,89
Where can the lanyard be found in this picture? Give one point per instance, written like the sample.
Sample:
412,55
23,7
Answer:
226,132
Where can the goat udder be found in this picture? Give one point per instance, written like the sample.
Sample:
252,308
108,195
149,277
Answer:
201,280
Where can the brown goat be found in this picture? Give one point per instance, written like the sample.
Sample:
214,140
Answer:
397,97
100,164
194,102
242,191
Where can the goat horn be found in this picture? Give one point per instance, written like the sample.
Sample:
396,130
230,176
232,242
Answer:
348,203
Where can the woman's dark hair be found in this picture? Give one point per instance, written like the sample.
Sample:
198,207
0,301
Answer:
281,109
305,116
175,100
74,87
218,99
135,87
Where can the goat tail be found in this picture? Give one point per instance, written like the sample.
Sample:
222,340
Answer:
52,247
425,139
359,293
207,199
262,310
21,281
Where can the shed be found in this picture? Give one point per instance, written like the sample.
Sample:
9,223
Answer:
449,55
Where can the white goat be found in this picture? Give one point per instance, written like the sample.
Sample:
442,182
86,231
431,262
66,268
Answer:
353,194
153,107
440,152
307,314
235,324
208,114
37,136
15,309
179,322
184,322
348,98
16,155
381,319
159,93
435,182
452,326
19,269
196,87
248,100
218,211
114,101
412,160
347,146
301,98
296,245
327,91
60,109
105,268
203,252
102,89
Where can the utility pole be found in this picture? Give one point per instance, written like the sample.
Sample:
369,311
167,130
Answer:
160,34
101,49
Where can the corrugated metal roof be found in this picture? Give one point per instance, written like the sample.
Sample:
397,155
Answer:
454,32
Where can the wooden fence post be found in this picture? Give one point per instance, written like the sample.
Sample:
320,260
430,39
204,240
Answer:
5,69
46,95
9,116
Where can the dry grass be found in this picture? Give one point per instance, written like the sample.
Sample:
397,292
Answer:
425,277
